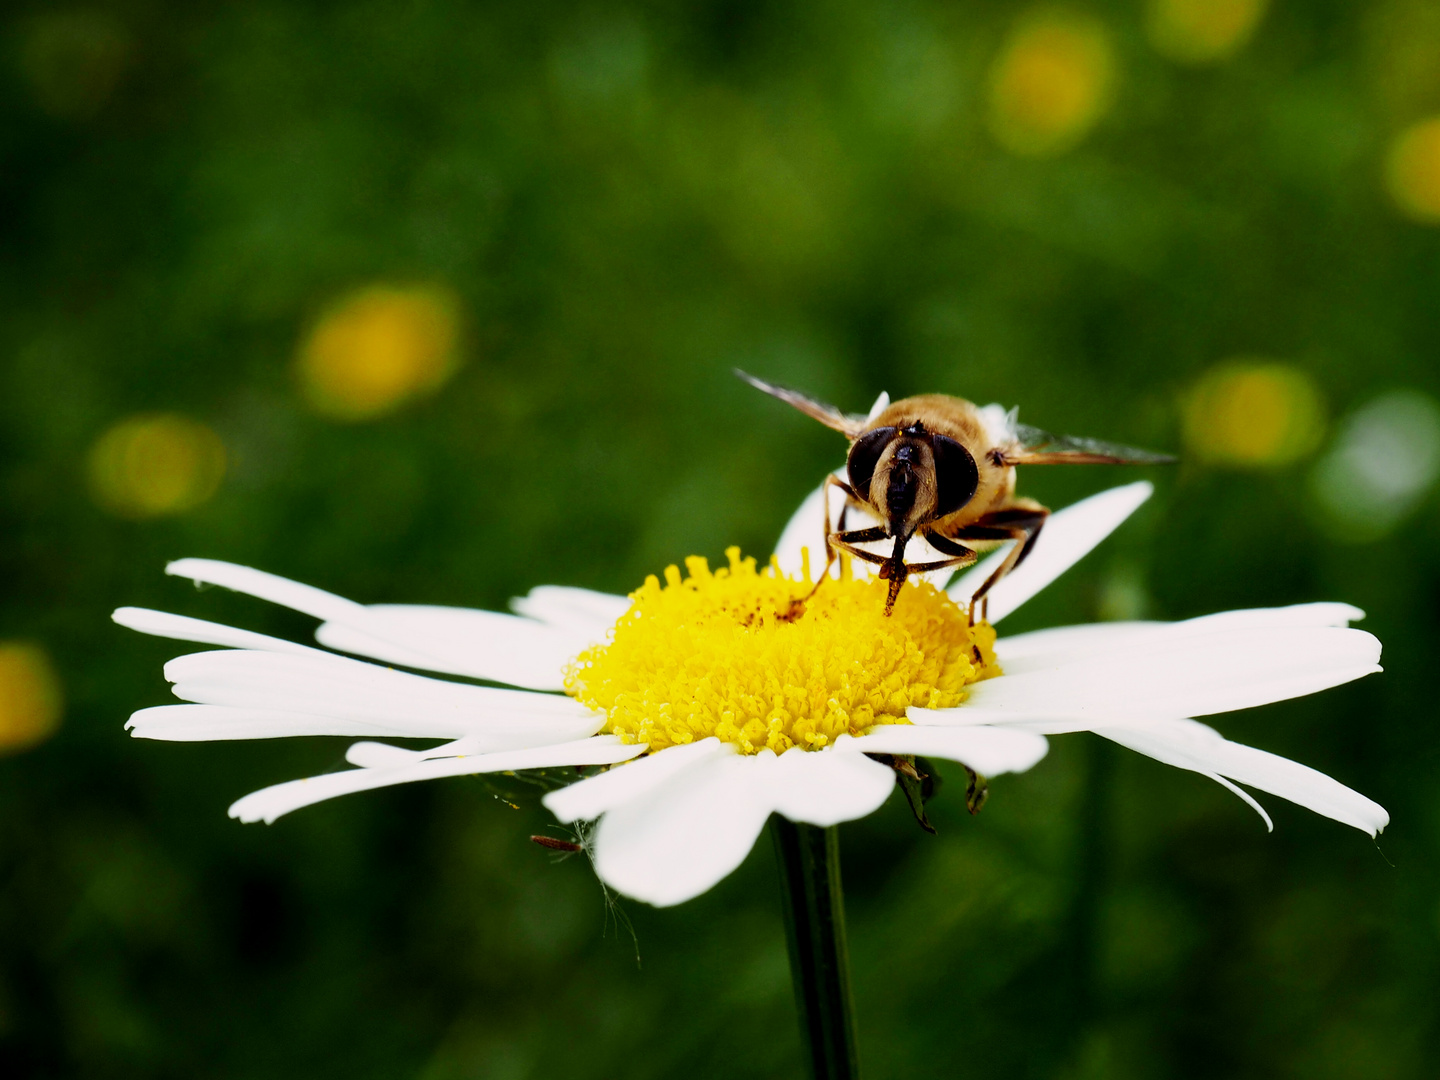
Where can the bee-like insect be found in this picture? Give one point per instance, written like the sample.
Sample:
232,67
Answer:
943,468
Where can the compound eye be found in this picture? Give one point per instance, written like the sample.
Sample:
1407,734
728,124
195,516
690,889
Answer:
864,456
956,476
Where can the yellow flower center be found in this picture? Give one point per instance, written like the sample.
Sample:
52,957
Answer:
730,653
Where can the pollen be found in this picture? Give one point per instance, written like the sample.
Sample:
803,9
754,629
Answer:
735,653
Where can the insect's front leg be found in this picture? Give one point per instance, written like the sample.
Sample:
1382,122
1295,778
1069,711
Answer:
831,480
846,541
897,570
831,537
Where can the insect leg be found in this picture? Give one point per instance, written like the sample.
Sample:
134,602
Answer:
843,541
959,555
831,480
859,553
1019,523
946,546
862,536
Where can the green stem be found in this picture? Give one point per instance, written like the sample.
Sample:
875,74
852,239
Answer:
819,958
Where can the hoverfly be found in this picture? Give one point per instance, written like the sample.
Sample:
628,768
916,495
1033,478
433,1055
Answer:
943,468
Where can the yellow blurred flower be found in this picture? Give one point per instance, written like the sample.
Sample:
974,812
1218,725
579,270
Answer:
153,465
1412,171
1253,414
377,349
1051,82
1202,31
29,696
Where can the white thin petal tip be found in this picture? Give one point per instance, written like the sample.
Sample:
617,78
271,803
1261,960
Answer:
245,811
186,567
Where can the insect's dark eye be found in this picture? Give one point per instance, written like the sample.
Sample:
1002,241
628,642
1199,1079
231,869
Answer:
956,476
864,456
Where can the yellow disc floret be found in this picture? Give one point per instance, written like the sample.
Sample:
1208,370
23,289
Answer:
731,653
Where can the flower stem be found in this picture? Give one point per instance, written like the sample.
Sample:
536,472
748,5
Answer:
819,957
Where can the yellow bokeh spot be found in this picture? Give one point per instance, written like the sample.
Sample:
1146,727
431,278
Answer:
1051,82
1412,171
727,653
1202,31
377,349
1253,414
29,696
153,465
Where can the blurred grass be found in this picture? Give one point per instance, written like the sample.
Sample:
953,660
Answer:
624,202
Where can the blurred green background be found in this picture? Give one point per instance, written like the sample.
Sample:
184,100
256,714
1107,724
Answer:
434,301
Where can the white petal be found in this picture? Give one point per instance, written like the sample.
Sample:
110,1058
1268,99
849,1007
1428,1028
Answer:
1067,644
881,404
806,529
277,590
1319,613
823,787
463,641
1165,676
270,803
336,686
1069,535
591,797
1245,797
1058,643
581,611
377,755
1191,745
682,837
350,639
183,628
217,723
988,750
460,641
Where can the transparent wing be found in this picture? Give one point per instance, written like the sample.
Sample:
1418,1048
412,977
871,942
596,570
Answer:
850,426
1037,447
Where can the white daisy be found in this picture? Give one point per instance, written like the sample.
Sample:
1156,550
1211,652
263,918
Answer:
724,711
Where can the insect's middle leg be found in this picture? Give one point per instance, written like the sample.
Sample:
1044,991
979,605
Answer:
960,555
846,541
1019,523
